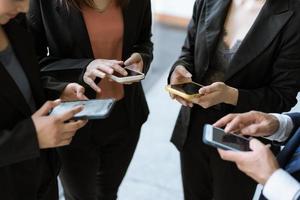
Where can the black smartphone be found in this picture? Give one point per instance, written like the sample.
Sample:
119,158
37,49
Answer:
92,109
129,71
216,137
187,88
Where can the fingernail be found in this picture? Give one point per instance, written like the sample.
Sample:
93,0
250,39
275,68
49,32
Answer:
57,101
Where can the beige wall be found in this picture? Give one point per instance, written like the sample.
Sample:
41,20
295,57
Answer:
174,12
179,8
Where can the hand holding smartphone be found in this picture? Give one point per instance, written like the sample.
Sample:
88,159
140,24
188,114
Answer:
132,76
92,109
216,137
188,91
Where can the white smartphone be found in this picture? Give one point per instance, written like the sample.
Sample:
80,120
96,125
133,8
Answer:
132,76
92,109
216,137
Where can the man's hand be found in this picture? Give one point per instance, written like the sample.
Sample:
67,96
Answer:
73,91
181,75
55,131
259,164
251,123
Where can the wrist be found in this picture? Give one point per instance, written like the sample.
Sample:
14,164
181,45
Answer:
267,176
232,96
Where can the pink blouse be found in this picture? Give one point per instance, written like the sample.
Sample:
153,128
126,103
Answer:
106,30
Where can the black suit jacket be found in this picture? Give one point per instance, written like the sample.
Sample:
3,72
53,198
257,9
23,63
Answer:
25,170
63,31
289,149
265,69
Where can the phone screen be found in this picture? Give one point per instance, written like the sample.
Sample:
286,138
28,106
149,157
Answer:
188,88
91,108
130,73
231,140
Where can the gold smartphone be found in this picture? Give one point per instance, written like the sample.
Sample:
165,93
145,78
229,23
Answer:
188,91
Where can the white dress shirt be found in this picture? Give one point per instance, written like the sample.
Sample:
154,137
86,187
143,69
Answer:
281,185
285,128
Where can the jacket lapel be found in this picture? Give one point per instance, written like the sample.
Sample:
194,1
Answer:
272,18
24,51
74,20
72,17
11,92
215,15
128,17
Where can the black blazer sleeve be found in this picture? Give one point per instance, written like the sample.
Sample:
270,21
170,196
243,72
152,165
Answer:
22,135
279,94
186,58
50,65
55,65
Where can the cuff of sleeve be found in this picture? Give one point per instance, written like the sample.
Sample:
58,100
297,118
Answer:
284,130
281,186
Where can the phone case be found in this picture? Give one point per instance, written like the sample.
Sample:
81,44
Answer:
213,143
94,117
181,94
127,79
90,116
217,145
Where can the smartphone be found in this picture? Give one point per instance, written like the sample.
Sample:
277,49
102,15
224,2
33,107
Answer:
188,91
132,76
92,109
216,137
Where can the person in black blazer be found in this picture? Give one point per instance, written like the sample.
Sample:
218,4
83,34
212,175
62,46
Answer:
28,163
246,53
97,160
279,175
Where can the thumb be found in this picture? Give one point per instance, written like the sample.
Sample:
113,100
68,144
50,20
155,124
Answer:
80,92
134,58
46,108
183,72
256,144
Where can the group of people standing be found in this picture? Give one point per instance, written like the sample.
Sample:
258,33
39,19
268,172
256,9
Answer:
245,52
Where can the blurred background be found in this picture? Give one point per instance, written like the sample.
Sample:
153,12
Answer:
154,173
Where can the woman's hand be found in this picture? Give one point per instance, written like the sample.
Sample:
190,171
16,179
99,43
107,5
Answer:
101,68
73,91
217,93
55,131
135,62
181,75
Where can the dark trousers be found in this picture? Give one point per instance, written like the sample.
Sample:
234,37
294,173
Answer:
206,176
95,171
